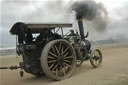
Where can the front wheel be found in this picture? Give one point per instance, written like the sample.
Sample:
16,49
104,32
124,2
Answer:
58,59
96,58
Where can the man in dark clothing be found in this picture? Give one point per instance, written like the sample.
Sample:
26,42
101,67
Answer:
29,37
44,37
20,36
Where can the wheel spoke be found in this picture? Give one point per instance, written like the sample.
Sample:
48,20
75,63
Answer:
97,53
57,71
67,61
57,49
51,57
67,65
62,50
67,57
53,54
60,47
52,61
65,50
53,49
54,67
66,54
95,62
63,70
94,53
51,65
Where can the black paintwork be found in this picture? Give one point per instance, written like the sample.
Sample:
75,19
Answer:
31,49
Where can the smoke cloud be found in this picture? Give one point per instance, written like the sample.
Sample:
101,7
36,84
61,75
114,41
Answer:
85,9
95,15
92,11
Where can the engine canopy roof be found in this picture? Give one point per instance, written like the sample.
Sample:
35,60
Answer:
36,28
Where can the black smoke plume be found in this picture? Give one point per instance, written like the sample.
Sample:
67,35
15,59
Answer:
85,9
93,12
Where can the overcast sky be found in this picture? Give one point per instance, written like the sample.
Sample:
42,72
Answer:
41,11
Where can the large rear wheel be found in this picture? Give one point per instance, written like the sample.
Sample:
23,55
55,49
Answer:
58,59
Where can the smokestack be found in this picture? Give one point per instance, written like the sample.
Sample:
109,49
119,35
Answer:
81,27
84,10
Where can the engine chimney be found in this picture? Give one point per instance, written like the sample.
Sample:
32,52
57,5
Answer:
81,28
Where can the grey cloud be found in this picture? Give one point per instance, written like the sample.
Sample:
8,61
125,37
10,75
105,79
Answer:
13,11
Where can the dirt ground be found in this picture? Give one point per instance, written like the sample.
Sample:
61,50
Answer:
113,71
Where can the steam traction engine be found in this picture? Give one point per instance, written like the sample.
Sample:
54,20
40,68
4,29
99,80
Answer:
51,52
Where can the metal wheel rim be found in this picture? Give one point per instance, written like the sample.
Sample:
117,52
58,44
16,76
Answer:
96,58
60,67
